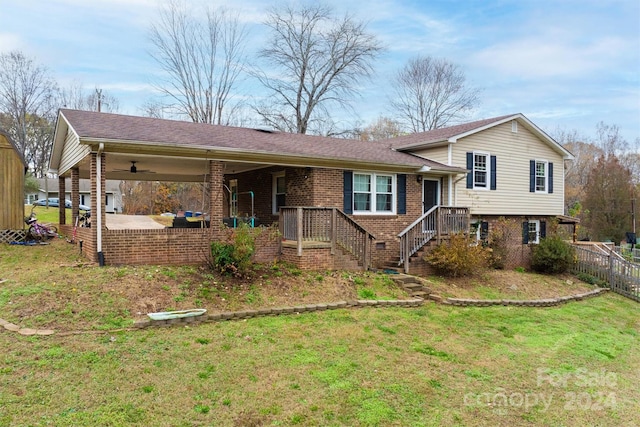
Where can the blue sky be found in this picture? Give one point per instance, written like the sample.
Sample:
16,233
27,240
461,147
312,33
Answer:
564,64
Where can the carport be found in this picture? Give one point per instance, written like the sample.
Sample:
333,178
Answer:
101,146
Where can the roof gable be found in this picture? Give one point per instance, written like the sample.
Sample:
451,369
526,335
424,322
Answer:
5,136
452,134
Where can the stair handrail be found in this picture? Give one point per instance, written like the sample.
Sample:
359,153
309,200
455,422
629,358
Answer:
332,225
412,238
358,245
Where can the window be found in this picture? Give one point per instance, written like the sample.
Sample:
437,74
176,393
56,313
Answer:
533,231
482,173
480,232
279,192
541,177
373,193
480,170
514,126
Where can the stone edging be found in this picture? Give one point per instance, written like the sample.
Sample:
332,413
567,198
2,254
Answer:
549,302
24,331
246,314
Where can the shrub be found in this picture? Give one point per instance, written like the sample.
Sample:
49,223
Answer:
458,257
553,255
504,233
235,257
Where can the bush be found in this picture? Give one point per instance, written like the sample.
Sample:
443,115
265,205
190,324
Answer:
504,233
235,257
553,255
458,257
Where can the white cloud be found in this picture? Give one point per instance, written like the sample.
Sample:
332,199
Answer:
553,56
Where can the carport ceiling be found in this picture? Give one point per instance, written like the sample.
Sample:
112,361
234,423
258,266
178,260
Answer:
160,168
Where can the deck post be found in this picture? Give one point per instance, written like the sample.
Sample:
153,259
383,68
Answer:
299,229
367,249
334,231
406,255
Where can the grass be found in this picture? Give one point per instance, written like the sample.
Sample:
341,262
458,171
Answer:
570,365
434,365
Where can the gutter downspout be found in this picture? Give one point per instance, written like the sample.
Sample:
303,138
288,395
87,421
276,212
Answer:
455,186
99,204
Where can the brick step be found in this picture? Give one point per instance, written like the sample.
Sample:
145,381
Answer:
421,294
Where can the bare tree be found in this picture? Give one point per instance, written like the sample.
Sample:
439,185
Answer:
382,128
430,93
74,96
315,61
26,104
25,89
202,60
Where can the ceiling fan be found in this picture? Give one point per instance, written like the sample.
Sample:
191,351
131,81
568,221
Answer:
134,169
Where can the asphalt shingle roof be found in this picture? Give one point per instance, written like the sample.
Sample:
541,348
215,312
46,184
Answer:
442,134
145,130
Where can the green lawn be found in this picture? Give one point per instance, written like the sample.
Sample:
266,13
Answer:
572,365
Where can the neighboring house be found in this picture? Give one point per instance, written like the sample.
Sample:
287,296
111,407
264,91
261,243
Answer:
112,201
334,200
12,172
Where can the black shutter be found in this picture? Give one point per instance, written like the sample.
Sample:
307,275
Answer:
550,177
484,231
402,194
348,192
525,232
543,229
470,167
493,172
532,176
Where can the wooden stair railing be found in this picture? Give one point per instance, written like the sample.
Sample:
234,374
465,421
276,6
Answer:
437,222
326,225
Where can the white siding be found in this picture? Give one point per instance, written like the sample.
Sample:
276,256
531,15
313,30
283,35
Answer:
72,153
513,153
438,154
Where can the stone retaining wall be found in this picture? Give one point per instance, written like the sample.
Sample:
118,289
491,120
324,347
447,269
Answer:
548,302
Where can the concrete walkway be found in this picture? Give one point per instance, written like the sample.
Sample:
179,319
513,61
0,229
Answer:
131,222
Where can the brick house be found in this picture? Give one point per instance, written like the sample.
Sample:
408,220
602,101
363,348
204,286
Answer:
337,203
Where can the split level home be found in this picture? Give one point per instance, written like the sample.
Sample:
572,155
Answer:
321,202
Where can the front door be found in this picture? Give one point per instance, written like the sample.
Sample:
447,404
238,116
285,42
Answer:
429,194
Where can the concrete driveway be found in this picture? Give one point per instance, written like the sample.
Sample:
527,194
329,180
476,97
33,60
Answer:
131,222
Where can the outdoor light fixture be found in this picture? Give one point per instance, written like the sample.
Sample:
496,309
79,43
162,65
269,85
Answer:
419,179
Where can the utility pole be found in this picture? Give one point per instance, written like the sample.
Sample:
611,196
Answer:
99,97
633,215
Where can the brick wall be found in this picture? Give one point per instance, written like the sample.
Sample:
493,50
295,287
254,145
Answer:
318,259
328,184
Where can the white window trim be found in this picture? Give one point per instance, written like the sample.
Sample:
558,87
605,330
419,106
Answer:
546,176
373,211
537,239
514,126
488,171
274,187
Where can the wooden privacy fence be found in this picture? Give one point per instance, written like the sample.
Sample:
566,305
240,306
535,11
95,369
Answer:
329,225
622,276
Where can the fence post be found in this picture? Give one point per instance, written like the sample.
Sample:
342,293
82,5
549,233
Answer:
611,274
299,214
